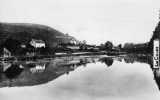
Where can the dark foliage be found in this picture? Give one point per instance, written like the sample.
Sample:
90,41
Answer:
23,33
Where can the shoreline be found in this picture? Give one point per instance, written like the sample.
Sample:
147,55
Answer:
36,57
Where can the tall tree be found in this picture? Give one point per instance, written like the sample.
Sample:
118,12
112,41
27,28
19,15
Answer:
108,45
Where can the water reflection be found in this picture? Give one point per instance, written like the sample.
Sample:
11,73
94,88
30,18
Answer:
13,71
39,72
32,73
148,60
107,60
130,59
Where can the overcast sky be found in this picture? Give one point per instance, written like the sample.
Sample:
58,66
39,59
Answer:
95,21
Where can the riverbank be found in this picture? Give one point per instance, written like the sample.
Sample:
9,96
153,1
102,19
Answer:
22,58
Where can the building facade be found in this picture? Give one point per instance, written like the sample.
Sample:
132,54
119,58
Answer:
37,43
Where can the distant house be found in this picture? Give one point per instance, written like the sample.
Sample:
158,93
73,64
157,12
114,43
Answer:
37,43
5,52
73,47
23,46
67,39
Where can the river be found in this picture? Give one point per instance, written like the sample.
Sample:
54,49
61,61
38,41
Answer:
80,78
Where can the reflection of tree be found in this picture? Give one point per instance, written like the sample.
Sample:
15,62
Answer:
107,60
156,73
21,73
129,60
13,71
138,58
148,60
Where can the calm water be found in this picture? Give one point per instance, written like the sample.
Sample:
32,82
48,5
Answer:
80,78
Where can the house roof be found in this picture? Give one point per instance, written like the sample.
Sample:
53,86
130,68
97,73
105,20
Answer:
38,41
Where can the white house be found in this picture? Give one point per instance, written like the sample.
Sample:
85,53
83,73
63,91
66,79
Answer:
37,43
6,52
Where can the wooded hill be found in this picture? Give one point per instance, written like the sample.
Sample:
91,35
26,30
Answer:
24,32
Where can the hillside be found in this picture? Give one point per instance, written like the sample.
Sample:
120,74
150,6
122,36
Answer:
24,32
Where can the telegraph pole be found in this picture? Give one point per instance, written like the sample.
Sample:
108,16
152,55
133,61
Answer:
159,15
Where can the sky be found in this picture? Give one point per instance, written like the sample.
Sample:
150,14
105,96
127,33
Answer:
95,21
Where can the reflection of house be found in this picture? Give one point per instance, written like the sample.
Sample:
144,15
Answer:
38,68
37,43
129,59
6,66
